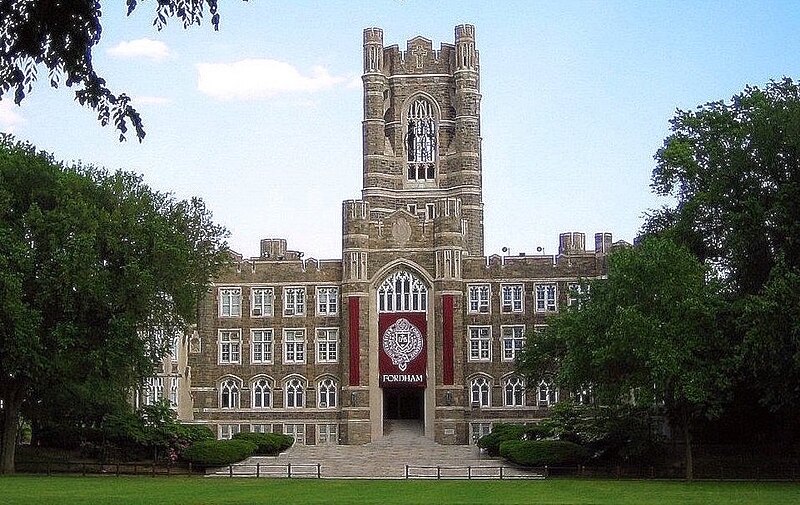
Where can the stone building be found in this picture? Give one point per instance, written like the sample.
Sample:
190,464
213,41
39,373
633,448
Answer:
413,322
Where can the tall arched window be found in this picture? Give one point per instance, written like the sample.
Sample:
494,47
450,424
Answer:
548,394
327,394
402,292
480,392
261,393
229,394
295,393
514,392
421,140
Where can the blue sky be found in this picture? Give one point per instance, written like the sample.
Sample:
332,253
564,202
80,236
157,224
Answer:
263,118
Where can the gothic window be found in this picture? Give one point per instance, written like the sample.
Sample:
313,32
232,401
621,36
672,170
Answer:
327,394
230,302
327,301
153,390
514,392
478,299
480,392
261,393
295,390
548,394
261,302
511,297
294,301
173,392
421,140
545,298
402,292
229,394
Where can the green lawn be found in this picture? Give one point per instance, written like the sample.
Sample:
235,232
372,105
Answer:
197,490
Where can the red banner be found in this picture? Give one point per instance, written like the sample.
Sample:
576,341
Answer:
355,341
447,340
403,350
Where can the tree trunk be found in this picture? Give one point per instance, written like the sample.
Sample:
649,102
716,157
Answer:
12,401
687,440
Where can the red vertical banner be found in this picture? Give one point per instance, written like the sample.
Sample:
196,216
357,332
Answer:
403,351
355,340
447,340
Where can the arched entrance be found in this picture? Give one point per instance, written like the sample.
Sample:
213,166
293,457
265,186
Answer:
402,303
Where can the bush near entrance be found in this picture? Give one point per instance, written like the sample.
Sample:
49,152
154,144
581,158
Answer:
219,452
269,444
543,452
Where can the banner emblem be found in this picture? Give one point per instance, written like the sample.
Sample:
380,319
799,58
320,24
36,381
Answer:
402,342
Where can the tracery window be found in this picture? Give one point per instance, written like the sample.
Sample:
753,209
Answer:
421,140
229,394
327,394
548,394
514,392
262,393
480,392
295,390
402,292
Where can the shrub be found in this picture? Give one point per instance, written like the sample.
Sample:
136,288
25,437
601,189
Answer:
542,452
269,444
218,452
500,433
195,432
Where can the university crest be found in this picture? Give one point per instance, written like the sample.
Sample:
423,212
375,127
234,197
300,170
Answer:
402,342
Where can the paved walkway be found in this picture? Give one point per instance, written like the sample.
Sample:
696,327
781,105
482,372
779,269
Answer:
386,458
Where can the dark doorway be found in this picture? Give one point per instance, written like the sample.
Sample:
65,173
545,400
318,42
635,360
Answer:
403,403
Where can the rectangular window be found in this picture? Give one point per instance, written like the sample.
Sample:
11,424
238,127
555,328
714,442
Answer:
260,428
230,302
478,430
327,434
412,208
479,295
430,211
327,301
154,390
511,297
294,301
173,348
575,292
261,346
294,346
298,431
227,431
545,298
480,343
173,392
230,344
327,345
513,340
262,302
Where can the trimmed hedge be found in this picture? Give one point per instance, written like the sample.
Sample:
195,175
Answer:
500,433
269,444
218,452
543,452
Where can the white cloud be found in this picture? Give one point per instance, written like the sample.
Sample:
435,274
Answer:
259,78
151,100
141,48
9,118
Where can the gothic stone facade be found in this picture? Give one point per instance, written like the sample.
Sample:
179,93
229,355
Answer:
413,322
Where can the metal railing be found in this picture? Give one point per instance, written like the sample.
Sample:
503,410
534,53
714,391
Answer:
472,472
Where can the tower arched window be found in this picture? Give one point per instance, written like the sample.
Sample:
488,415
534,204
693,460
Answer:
262,393
421,139
402,292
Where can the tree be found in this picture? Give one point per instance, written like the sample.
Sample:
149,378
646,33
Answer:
733,171
95,268
646,335
61,36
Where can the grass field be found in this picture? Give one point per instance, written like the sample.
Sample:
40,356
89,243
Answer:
16,490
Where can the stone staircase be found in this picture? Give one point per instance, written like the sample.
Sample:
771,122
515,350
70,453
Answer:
403,444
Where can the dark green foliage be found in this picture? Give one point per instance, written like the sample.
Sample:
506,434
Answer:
35,33
269,444
95,270
500,433
218,452
543,452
